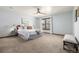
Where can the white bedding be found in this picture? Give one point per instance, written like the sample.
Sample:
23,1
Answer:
26,33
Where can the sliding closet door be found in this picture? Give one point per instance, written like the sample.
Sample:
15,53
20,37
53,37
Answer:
46,25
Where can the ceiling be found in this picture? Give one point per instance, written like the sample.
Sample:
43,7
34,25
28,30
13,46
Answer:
31,10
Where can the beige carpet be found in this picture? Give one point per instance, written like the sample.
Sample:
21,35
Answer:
47,43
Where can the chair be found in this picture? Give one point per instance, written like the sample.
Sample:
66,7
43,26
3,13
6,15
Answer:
70,40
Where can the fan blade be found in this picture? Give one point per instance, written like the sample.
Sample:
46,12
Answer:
38,10
42,13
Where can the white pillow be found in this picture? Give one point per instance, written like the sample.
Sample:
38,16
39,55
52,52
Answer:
20,27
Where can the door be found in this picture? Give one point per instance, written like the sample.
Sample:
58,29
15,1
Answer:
46,25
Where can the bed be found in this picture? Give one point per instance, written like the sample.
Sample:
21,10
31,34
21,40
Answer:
27,34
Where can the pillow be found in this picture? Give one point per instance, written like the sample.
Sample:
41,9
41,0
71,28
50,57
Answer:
20,28
17,27
29,27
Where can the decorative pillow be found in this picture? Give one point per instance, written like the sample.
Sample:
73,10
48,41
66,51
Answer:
29,27
18,26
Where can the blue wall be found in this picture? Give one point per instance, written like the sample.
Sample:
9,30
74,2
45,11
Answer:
63,23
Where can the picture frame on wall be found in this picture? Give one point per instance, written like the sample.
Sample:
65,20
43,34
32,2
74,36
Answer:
76,14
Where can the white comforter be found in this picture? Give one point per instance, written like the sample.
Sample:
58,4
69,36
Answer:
26,33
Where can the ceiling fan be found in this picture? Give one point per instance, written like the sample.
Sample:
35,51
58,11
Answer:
39,12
